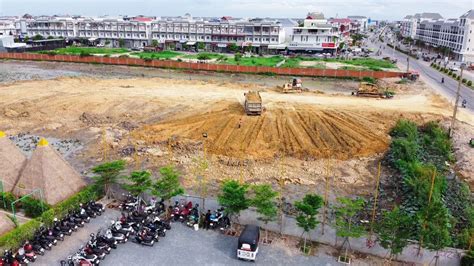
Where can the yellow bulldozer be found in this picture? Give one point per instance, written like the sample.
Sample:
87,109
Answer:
367,89
296,85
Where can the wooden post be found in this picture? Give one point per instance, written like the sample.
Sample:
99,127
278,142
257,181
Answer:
376,195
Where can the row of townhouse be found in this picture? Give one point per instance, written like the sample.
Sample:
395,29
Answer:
7,26
455,34
316,34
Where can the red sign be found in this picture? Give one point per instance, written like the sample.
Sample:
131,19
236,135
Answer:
329,45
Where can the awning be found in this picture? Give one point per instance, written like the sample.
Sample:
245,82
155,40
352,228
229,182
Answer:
277,46
92,39
182,41
222,45
190,43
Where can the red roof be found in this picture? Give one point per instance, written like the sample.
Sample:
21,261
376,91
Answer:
340,20
226,18
142,19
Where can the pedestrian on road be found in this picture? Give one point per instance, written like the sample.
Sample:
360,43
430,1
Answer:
207,221
442,79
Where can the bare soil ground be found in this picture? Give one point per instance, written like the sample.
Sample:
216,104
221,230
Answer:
154,121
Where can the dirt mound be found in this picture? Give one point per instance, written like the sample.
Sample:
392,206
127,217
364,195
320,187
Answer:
300,131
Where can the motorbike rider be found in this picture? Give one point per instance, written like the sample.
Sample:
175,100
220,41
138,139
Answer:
442,80
207,220
464,103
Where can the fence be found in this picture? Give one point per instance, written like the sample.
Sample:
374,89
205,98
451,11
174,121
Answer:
312,72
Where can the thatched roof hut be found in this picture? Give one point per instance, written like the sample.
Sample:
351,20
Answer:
12,161
48,171
6,224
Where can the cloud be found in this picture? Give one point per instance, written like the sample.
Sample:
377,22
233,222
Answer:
378,9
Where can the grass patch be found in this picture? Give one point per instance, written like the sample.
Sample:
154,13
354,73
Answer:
366,63
158,55
256,61
86,50
203,56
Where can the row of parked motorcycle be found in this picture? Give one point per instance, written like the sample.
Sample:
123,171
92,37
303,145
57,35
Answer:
139,222
46,237
191,216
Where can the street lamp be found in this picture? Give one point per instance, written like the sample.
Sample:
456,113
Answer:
451,129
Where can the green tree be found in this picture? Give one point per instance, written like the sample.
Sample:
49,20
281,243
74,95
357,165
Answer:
233,197
121,42
139,182
201,46
26,39
394,231
238,57
108,174
346,212
168,185
307,211
264,200
50,37
38,37
154,43
233,47
435,220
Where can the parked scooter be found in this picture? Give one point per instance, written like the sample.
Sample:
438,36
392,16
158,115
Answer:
109,240
28,253
121,238
8,259
144,238
34,247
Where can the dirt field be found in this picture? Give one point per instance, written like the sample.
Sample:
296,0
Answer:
151,122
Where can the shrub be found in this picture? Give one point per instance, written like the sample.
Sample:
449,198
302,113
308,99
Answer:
369,79
51,53
33,207
464,80
405,129
204,56
469,83
124,56
84,54
106,55
15,238
237,57
6,199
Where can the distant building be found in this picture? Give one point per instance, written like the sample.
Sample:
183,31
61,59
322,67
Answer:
317,34
359,23
7,27
7,43
455,34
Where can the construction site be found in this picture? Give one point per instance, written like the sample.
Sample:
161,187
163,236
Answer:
152,121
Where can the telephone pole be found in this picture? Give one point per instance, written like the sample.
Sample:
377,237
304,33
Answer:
408,64
451,129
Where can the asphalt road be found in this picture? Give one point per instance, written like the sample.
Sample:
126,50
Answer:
430,75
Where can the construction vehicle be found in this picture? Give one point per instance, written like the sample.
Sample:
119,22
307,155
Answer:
295,86
253,103
367,89
412,75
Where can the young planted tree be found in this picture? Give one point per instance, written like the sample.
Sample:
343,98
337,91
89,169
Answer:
168,185
307,212
139,182
233,197
345,217
394,231
107,174
264,200
435,220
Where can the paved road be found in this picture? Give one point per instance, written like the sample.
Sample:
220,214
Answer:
431,76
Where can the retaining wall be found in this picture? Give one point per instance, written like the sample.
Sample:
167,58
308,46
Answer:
312,72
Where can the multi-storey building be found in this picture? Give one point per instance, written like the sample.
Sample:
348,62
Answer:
218,34
315,35
409,24
359,23
455,34
7,26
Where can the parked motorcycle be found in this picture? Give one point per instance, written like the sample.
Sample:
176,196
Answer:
8,259
144,238
33,247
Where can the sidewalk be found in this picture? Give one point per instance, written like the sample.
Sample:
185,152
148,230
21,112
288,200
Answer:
448,256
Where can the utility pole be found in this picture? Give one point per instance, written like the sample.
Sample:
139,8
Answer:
408,64
451,129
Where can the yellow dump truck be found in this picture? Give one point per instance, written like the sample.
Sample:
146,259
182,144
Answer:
253,103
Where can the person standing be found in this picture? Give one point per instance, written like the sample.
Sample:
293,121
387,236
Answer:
207,220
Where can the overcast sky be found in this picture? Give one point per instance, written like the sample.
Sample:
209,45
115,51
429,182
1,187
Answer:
376,9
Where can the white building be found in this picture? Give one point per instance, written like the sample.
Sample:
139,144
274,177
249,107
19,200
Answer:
7,26
409,24
455,34
359,23
316,34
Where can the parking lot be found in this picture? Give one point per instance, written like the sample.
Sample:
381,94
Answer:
181,246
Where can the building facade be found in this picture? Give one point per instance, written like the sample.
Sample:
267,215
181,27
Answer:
7,27
432,29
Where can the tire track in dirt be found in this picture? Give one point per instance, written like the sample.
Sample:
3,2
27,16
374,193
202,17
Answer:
296,131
